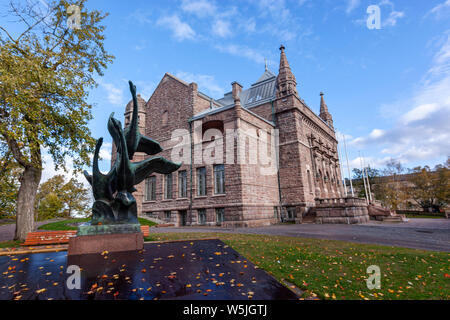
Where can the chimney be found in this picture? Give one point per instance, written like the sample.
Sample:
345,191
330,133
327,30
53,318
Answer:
237,89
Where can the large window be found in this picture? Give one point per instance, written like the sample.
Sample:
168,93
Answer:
201,181
168,186
220,215
150,189
167,216
219,179
202,216
182,184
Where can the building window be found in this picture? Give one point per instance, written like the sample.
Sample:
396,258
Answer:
291,214
202,216
150,189
309,181
168,186
220,215
219,179
182,184
275,212
201,181
167,215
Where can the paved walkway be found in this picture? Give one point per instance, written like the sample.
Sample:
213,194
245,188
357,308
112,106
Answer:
7,231
425,234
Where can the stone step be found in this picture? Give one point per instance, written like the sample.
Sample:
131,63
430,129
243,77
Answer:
394,219
309,220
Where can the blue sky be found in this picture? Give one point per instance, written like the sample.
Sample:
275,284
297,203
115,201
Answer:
388,89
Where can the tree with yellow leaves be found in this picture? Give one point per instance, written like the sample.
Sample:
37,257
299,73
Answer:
46,70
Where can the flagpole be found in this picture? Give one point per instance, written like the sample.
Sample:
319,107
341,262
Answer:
342,171
364,179
348,167
367,176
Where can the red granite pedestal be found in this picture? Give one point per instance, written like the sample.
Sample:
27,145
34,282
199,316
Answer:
105,242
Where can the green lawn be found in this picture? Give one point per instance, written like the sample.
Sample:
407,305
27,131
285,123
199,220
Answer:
9,244
337,270
66,224
423,216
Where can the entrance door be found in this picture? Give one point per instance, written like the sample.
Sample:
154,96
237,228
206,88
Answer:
183,218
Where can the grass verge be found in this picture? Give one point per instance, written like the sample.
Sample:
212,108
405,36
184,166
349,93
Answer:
423,216
9,244
337,270
70,224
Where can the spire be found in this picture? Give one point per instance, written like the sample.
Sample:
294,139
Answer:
267,67
324,114
323,105
287,84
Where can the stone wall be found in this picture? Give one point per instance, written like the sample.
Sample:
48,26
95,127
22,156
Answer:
341,211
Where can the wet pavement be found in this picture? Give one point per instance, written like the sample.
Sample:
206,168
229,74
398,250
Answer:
187,270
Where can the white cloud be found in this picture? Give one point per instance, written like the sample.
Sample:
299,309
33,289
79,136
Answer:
221,28
245,52
422,131
145,88
352,5
278,20
140,17
205,82
440,10
141,46
181,30
376,133
114,94
105,152
419,113
391,21
248,24
302,2
201,8
388,19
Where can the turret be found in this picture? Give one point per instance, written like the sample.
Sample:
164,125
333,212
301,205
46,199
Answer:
286,82
324,114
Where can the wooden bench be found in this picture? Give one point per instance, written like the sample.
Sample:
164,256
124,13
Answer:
145,231
60,237
49,237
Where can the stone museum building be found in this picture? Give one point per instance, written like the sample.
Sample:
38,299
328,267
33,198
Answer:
228,192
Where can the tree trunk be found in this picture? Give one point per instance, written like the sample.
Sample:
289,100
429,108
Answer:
29,184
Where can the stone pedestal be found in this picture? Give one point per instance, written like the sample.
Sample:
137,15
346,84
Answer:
111,238
341,211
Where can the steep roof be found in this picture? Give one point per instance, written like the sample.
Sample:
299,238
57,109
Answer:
260,92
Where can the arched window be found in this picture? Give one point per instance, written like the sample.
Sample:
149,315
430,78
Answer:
165,118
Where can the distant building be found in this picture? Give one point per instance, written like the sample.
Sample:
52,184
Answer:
239,194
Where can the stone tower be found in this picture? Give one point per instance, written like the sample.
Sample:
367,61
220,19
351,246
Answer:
324,114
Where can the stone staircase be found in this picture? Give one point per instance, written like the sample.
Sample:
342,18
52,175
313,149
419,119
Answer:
309,217
378,213
395,218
